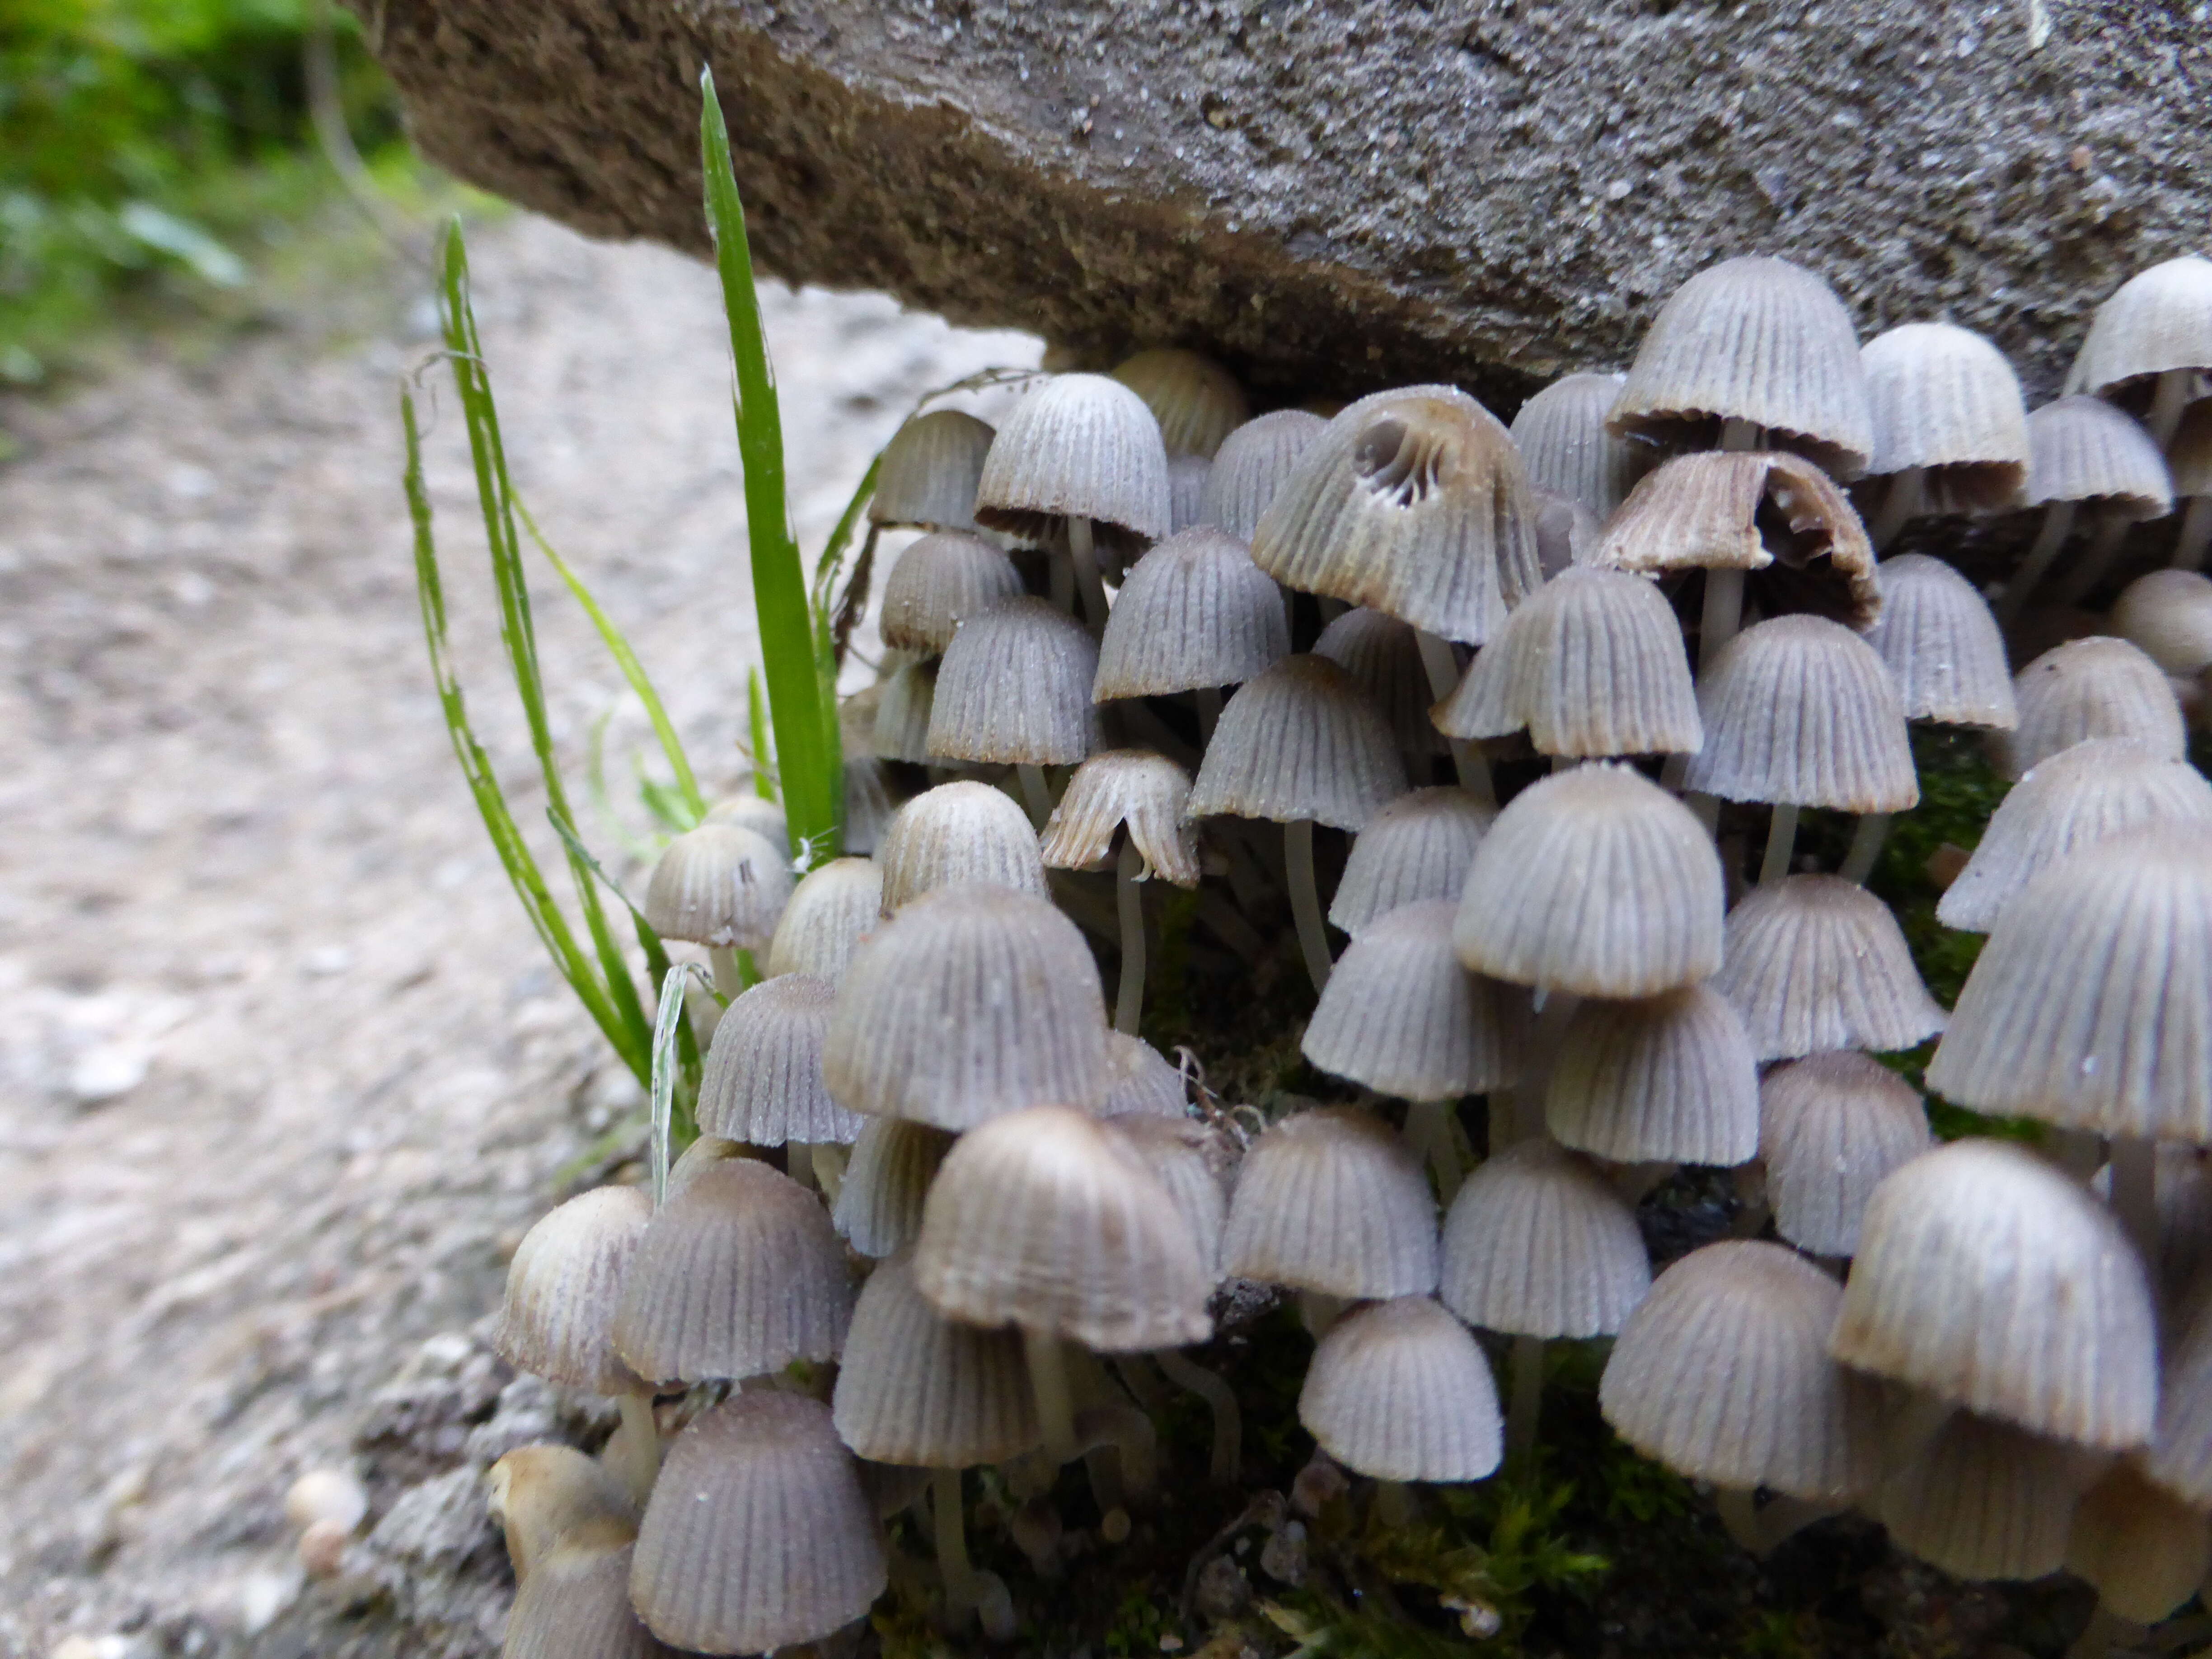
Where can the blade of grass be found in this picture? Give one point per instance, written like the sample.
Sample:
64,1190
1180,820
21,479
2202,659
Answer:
762,738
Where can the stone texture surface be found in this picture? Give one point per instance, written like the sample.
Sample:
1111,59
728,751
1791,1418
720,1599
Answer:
1335,194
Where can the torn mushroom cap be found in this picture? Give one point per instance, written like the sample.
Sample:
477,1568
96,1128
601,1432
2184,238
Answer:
1329,1200
2158,319
576,1604
1189,1158
1946,404
1724,1375
1801,710
2091,1006
1817,963
915,1389
1044,1219
929,472
1015,686
1986,1276
833,905
2097,687
763,1083
1591,665
1831,1128
1250,466
2087,451
1669,1078
1595,881
905,700
758,1534
717,885
1195,400
2167,614
938,583
540,1494
2144,1550
961,831
1561,433
1942,645
1984,1499
1299,741
1132,787
1383,656
1539,1244
1417,847
1414,502
563,1286
1077,446
1194,612
1400,1391
878,1209
1401,1016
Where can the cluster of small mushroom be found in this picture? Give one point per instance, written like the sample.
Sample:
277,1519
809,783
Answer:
1966,1340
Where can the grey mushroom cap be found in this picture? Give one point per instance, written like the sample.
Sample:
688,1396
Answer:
2095,687
1947,402
1078,445
1015,686
1299,741
1417,847
763,1081
1816,963
1537,1243
1562,437
930,471
1250,466
1194,612
1942,645
719,885
938,582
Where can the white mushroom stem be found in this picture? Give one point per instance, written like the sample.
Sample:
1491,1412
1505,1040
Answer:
1524,1402
1305,899
2196,535
1035,797
2057,525
2089,569
798,1162
1442,670
729,964
1088,581
1130,899
1739,1512
1228,1421
1127,1435
1062,565
1905,500
1393,1503
632,1453
1781,842
2134,1194
827,1159
1429,1137
1867,842
947,1517
1055,1402
1723,608
2166,403
1208,700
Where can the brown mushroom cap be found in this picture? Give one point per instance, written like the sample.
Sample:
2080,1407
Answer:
1985,1500
1195,400
1400,1391
1329,1200
2167,616
2144,1550
1538,1244
576,1605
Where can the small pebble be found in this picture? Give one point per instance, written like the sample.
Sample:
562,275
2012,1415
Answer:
322,1548
326,1495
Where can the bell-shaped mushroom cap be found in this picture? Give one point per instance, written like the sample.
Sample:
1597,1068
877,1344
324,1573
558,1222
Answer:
1383,656
1802,710
758,1534
1946,402
973,1000
1591,664
1329,1200
1401,1016
878,1209
1986,1276
1831,1128
1723,1374
1194,612
1754,339
2096,687
929,472
575,1604
1400,1391
1299,741
1145,1084
905,701
938,583
1077,446
1132,787
1942,645
2158,319
1414,502
1417,847
1043,1218
1817,963
2180,1456
763,1082
540,1494
739,1272
1185,1155
1984,1500
2091,1006
961,831
563,1286
1015,685
717,885
918,1389
1595,881
1250,466
2144,1550
1196,401
829,909
750,811
1561,433
1538,1244
2167,614
2085,450
1667,1079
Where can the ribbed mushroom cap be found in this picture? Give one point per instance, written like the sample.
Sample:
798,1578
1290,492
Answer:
763,1082
1754,339
1538,1244
906,699
2180,1456
1184,1155
1401,1016
758,1534
961,831
1383,656
867,802
1187,476
1132,787
929,472
717,885
1414,502
1329,1200
1944,400
1595,881
1043,1218
1400,1391
540,1494
1250,466
750,811
2085,450
1985,1500
1561,433
1986,1276
878,1209
2144,1550
2091,1006
1194,612
1015,685
916,1389
1145,1084
1077,446
2158,319
1591,664
1942,645
973,1000
1817,963
739,1272
1667,1079
1800,709
1299,740
575,1603
1417,847
829,909
1831,1128
1567,533
1723,1374
563,1286
2167,616
2096,687
938,583
1196,401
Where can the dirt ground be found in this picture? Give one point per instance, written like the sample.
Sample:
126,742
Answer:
283,1074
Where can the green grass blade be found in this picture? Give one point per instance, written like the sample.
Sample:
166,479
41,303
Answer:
833,556
762,738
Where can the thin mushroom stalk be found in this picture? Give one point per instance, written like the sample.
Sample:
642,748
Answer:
967,1589
2167,402
2196,535
632,1453
1121,1450
1525,1399
1130,899
1227,1459
1088,582
1442,670
1305,900
733,971
1781,843
1035,796
798,1162
1429,1137
1055,1399
2090,568
2057,525
1868,838
1905,500
1723,607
